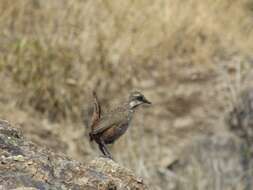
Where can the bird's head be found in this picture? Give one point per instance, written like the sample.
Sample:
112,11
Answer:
136,99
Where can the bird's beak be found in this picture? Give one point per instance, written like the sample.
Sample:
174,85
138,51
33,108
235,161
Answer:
146,101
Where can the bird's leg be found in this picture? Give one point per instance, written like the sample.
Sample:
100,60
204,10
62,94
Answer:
101,147
104,150
107,152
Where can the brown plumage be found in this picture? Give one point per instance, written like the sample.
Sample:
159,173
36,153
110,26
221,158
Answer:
108,128
96,113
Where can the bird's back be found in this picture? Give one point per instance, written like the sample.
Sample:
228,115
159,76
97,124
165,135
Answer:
112,119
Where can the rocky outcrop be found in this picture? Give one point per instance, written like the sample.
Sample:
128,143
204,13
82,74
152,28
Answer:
23,165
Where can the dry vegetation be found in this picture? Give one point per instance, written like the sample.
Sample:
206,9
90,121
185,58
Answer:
189,57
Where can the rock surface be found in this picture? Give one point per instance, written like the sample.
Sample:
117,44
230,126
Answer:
23,165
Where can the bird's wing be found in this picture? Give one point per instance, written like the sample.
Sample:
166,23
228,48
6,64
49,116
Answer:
108,121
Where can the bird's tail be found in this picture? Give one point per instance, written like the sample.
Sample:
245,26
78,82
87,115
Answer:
96,114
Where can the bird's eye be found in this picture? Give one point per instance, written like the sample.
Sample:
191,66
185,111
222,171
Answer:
140,98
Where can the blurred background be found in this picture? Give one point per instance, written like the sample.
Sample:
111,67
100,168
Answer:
192,59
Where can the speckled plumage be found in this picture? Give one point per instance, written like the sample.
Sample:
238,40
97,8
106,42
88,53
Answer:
108,128
113,124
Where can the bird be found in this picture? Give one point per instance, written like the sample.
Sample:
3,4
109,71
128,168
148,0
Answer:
107,128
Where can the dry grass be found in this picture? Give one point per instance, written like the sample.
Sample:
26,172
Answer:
52,53
79,44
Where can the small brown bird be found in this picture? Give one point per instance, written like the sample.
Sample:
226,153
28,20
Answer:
109,127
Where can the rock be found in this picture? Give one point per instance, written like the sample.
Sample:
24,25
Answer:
23,165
